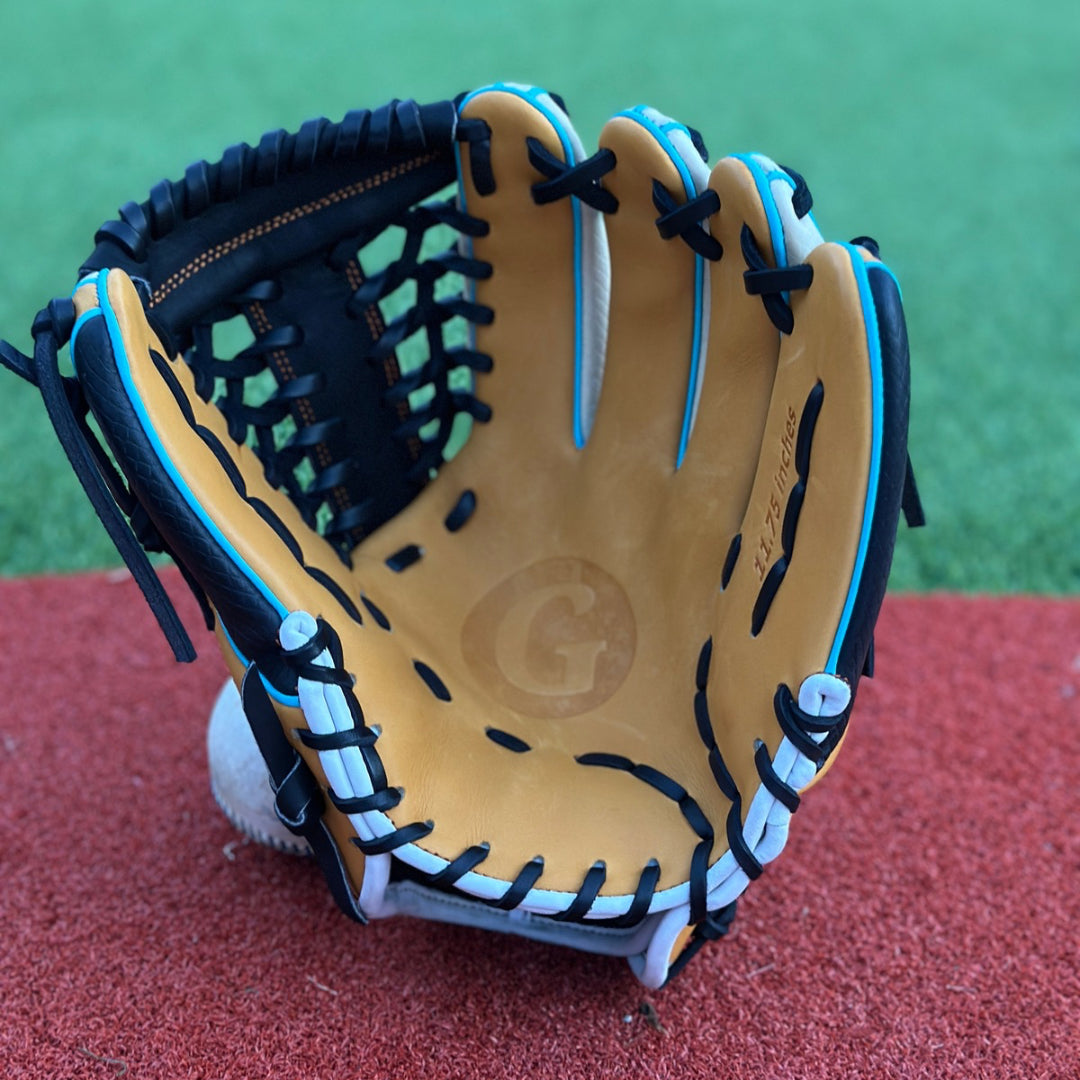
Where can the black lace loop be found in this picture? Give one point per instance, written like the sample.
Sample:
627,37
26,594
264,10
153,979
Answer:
692,813
800,726
20,363
801,199
459,867
391,841
772,283
910,501
581,180
715,925
477,134
776,787
448,213
686,219
431,425
109,495
298,799
869,243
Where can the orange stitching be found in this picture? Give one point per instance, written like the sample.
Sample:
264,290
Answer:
391,367
264,325
354,274
206,258
259,315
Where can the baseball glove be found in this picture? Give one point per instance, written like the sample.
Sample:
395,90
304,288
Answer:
575,687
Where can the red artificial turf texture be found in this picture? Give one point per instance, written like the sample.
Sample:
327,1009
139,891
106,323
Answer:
923,921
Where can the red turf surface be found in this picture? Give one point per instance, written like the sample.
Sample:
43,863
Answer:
922,923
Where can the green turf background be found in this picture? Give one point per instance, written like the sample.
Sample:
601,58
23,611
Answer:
950,130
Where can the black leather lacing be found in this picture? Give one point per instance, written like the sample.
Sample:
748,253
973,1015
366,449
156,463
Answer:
476,134
687,219
432,681
691,812
732,557
125,521
383,797
776,787
519,888
429,315
298,799
462,510
869,243
506,740
802,202
800,726
375,612
299,462
721,774
581,180
773,284
236,477
715,925
588,892
797,725
457,868
282,460
404,558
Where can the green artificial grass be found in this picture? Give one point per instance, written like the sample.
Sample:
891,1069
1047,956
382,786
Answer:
946,130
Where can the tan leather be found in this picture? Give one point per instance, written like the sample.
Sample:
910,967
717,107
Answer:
684,937
828,342
570,610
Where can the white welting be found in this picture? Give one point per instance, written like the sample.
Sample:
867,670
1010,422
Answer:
824,695
592,274
373,901
651,966
801,235
326,712
595,283
647,946
596,305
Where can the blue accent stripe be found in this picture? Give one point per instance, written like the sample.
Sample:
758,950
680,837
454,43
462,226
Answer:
80,322
90,279
659,132
533,95
776,227
277,695
123,364
873,344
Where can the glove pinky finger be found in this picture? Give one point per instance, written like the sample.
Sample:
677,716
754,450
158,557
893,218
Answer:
806,577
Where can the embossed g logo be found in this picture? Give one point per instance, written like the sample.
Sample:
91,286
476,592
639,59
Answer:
555,639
